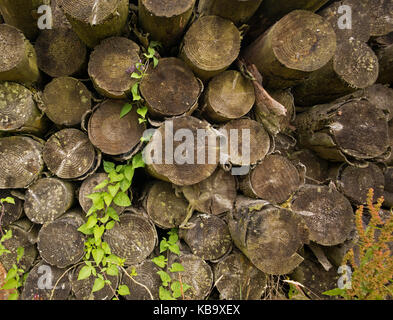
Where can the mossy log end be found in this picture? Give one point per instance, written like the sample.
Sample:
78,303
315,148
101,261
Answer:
170,89
69,154
18,59
208,237
229,96
108,66
60,243
214,195
18,110
21,161
236,278
173,169
165,208
238,11
268,235
37,289
12,212
133,238
66,100
327,213
210,46
381,16
316,168
274,179
339,132
60,52
165,20
291,49
48,199
111,134
94,21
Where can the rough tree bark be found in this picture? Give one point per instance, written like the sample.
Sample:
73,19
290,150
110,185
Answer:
210,46
298,44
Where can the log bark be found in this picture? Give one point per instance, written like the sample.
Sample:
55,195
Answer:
208,237
174,170
95,21
48,199
166,20
60,243
22,161
133,238
82,288
210,46
12,212
384,52
285,58
170,89
326,212
260,142
238,11
316,168
236,278
65,101
108,66
228,96
214,195
275,179
197,274
268,235
60,52
338,131
59,19
32,289
22,14
114,135
87,187
381,16
164,206
18,57
146,275
353,66
18,110
70,155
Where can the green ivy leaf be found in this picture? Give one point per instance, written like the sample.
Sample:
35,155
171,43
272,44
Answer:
155,62
165,278
105,218
91,222
7,236
163,245
122,200
116,177
85,230
123,290
137,161
142,111
98,285
136,75
20,252
114,259
176,267
125,185
107,199
101,185
11,274
98,254
335,292
135,92
113,214
125,110
173,238
160,261
8,200
113,189
176,289
105,246
112,270
108,166
110,225
129,172
164,294
98,231
13,296
84,273
10,284
174,248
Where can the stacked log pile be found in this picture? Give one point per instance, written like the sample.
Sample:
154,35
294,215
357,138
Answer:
316,99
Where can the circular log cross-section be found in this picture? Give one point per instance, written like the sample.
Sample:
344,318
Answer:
87,188
237,278
110,133
197,274
60,243
108,66
48,199
146,275
268,235
21,161
208,238
69,154
316,168
229,96
299,43
190,161
60,52
170,89
133,238
355,182
42,277
18,110
66,100
354,66
165,20
275,179
245,139
210,46
82,289
12,212
94,21
18,59
327,213
380,16
214,195
165,208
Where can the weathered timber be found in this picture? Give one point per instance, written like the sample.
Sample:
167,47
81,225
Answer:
316,168
384,51
381,16
12,212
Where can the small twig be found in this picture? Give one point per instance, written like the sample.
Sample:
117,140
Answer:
138,283
61,277
181,287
